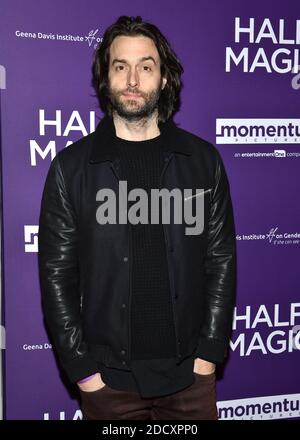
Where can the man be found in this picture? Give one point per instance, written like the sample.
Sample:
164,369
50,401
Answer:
140,313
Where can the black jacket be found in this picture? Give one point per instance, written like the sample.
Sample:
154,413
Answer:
84,266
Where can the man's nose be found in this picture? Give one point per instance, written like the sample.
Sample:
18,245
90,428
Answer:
132,79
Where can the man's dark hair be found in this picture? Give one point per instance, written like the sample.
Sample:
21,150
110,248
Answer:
169,101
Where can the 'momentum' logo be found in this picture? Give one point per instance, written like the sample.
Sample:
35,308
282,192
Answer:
242,131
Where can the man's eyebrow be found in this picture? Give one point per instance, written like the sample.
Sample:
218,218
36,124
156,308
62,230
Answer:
118,60
148,58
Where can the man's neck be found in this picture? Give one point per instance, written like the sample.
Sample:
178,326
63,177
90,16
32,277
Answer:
141,130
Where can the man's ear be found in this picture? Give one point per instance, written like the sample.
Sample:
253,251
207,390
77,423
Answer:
164,81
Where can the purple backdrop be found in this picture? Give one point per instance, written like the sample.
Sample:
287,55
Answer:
48,78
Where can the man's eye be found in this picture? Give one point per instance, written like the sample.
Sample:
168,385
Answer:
119,67
147,68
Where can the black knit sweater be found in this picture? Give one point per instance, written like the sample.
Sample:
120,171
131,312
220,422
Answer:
153,367
152,324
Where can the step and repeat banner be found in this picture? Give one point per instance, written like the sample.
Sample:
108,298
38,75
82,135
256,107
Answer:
242,93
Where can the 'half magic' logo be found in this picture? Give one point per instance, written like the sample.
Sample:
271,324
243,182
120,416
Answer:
262,131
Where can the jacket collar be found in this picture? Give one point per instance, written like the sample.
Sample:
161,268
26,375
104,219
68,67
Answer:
103,146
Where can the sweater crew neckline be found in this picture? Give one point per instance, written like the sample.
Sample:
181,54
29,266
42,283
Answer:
143,142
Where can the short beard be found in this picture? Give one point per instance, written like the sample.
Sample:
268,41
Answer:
143,111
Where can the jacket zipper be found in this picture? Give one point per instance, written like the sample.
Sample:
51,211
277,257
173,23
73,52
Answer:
171,278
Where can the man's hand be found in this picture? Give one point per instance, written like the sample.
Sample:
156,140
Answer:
93,384
203,367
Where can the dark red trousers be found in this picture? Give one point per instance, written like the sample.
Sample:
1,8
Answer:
196,402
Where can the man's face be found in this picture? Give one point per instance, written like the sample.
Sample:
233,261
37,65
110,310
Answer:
134,78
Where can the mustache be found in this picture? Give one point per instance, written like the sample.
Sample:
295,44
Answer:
132,91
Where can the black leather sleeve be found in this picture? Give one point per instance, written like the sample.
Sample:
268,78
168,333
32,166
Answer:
59,275
220,271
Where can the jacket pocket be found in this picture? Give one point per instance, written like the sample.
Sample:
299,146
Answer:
101,353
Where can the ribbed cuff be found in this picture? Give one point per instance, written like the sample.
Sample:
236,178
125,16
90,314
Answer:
211,350
80,368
